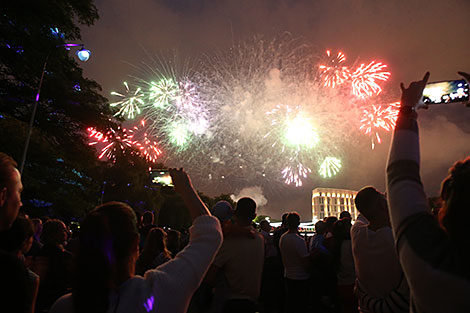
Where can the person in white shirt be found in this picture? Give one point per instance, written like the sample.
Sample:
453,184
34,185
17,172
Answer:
108,251
381,286
296,260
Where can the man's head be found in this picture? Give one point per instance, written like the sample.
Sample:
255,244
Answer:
147,218
372,204
264,225
245,211
284,219
344,214
321,227
293,221
10,191
222,210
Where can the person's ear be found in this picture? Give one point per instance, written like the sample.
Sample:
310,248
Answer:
3,196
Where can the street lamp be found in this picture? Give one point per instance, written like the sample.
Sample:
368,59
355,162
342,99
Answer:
83,55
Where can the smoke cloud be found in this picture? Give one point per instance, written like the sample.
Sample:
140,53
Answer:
255,193
410,36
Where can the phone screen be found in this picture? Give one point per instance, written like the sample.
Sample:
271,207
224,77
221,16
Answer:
446,92
160,178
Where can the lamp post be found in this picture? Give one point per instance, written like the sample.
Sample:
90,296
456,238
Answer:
83,55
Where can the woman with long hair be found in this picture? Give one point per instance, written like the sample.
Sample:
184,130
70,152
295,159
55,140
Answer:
108,251
155,252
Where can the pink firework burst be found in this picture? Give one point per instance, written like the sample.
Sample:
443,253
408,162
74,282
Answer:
114,140
147,148
333,72
365,78
379,118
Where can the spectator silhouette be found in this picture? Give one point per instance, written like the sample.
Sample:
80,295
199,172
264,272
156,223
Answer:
53,264
154,253
14,284
434,255
241,258
18,241
109,245
381,286
147,225
296,260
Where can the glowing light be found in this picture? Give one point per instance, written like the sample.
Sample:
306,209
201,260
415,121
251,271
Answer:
294,175
146,147
115,140
300,132
83,54
365,77
378,118
163,92
329,167
333,73
179,134
129,103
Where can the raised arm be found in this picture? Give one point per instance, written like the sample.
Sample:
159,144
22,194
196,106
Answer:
190,197
429,261
179,278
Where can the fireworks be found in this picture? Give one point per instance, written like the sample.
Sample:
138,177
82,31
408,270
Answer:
179,134
334,74
365,77
147,148
260,111
129,102
295,175
115,141
329,167
163,92
300,132
378,118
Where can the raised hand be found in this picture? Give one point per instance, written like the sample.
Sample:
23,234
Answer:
410,96
180,179
465,75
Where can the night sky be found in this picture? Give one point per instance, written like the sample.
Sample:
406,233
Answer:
410,36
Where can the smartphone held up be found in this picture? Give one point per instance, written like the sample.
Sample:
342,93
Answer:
161,177
452,91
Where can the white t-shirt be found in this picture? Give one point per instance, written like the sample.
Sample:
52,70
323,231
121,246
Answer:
294,253
377,266
242,259
169,287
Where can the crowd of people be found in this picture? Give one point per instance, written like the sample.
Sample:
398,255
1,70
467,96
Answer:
396,257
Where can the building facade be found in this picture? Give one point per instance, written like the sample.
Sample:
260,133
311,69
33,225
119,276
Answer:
331,202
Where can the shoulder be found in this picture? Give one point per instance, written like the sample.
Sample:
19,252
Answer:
63,304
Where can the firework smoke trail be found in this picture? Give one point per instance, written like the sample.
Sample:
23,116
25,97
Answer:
377,118
365,77
146,147
333,73
129,103
329,167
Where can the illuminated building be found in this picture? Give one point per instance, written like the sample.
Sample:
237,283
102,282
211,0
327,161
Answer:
331,202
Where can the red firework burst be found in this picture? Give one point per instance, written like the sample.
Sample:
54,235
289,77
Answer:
332,72
365,77
379,118
146,147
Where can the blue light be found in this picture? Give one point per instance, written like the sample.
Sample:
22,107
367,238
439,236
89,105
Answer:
56,33
83,54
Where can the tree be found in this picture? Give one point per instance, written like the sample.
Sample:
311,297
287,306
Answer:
61,175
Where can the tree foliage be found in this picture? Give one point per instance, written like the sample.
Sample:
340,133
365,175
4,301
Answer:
61,174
